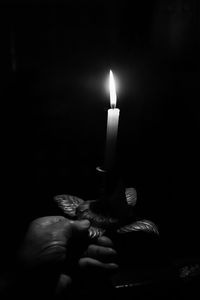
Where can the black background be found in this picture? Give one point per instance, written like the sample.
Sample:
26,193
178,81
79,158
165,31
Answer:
55,58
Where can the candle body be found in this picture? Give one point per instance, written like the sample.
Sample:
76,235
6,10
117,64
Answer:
111,139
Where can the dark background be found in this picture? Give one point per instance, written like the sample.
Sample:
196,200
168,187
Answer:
55,58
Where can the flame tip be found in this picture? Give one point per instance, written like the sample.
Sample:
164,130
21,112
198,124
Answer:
112,90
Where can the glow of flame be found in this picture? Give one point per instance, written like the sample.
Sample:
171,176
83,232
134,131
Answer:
113,96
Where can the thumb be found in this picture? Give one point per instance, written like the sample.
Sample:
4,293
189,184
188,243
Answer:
77,241
63,285
76,229
79,227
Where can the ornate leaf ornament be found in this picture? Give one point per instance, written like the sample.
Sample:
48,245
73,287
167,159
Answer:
142,225
131,196
95,232
75,207
68,204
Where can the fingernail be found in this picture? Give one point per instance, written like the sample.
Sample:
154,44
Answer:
113,266
85,223
111,251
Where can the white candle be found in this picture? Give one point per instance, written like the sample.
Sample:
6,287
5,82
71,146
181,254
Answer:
112,126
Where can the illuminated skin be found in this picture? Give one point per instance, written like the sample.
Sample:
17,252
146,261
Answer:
50,243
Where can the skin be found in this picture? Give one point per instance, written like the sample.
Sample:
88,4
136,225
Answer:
55,248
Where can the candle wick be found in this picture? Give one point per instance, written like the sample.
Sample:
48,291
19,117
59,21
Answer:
113,106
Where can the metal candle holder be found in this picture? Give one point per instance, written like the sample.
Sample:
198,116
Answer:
113,212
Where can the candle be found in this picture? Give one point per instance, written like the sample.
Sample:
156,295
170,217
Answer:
112,126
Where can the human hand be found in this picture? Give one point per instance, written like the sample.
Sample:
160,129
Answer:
44,252
47,240
52,243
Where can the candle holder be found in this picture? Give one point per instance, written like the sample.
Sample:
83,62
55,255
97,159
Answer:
112,213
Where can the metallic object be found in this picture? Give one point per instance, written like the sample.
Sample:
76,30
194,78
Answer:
113,211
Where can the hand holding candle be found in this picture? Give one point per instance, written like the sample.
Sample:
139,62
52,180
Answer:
112,127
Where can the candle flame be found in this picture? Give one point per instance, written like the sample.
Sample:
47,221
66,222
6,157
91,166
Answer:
113,96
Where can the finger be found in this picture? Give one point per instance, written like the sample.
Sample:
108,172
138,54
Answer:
64,283
103,254
76,233
80,225
91,264
104,241
76,228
